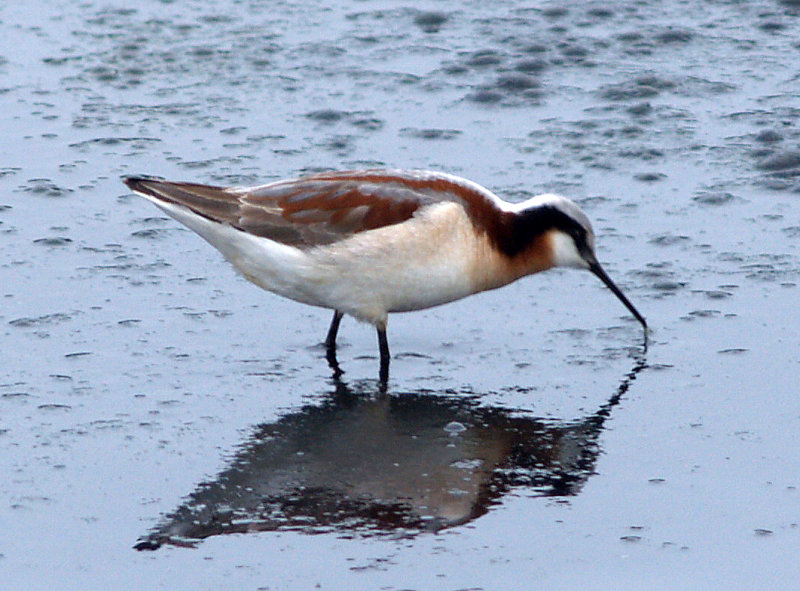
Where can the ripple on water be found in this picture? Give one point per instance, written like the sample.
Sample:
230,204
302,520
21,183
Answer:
364,120
485,96
516,82
641,153
784,161
151,233
530,65
715,294
8,171
573,51
483,58
636,89
44,320
771,26
326,116
341,144
45,188
430,22
733,351
650,177
668,239
674,35
714,198
768,136
54,407
430,134
53,241
792,231
508,89
140,143
555,12
660,278
705,313
640,109
600,13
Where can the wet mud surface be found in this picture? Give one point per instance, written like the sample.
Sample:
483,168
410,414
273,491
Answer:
151,397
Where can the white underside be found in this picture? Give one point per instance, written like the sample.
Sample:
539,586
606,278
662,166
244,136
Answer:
428,260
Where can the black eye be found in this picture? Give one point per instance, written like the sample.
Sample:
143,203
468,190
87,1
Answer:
579,236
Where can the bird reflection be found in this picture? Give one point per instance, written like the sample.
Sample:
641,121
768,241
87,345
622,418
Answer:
368,463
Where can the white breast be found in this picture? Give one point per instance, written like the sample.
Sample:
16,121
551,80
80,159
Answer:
423,262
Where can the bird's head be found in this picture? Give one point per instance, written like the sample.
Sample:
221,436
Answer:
569,236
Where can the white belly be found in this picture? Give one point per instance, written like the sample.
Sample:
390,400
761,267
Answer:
423,262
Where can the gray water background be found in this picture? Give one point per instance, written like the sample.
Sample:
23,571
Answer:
135,363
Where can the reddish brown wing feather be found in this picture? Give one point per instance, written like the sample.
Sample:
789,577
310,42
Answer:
315,210
323,210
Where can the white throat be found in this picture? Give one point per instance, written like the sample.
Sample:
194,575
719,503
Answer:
565,253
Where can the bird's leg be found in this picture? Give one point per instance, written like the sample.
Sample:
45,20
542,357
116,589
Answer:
330,340
330,344
383,347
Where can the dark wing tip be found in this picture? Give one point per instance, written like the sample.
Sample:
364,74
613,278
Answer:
136,182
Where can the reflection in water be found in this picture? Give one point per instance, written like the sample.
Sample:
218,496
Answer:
401,464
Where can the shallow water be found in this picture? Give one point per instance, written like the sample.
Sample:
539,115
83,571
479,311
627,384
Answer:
524,434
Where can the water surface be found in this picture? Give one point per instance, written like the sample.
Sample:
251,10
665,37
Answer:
533,440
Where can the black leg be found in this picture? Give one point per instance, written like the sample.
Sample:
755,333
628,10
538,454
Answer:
330,340
330,344
383,346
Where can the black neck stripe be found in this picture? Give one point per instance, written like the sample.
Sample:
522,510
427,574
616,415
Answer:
528,225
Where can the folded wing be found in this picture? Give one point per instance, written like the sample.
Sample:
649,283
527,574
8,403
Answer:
319,209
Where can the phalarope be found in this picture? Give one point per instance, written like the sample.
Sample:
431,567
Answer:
370,242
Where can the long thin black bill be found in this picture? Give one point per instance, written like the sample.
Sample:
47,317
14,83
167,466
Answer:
598,270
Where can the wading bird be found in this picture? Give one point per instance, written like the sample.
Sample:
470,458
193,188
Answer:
370,242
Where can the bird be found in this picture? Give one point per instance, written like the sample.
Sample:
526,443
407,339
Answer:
371,242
